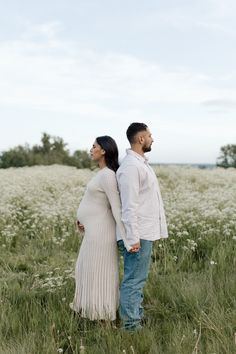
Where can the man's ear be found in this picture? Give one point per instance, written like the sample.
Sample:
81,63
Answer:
140,139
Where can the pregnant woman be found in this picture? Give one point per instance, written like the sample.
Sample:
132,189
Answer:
96,273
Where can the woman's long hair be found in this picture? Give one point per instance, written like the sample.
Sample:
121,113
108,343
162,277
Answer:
111,151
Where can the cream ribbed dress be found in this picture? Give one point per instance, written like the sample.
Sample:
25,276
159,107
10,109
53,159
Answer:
96,273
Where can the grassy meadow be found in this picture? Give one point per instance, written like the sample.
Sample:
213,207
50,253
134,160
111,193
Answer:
190,296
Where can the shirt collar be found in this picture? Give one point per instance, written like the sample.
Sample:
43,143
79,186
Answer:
138,156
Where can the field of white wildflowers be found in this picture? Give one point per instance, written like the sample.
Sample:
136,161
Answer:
190,296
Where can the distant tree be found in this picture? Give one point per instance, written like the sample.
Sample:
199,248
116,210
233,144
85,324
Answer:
59,145
16,157
82,159
227,157
46,144
52,150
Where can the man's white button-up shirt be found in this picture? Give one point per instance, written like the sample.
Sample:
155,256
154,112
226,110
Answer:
142,207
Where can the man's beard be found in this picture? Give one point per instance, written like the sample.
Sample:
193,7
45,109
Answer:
147,148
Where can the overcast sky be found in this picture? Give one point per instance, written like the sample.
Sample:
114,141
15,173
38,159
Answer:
83,68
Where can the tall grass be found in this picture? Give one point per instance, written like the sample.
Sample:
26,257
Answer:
190,296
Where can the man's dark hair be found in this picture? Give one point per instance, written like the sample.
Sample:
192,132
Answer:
133,129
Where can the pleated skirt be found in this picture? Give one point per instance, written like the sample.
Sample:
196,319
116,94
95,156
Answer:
97,279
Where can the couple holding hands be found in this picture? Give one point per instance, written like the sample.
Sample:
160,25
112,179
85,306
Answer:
122,206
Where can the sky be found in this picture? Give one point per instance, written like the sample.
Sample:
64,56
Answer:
84,68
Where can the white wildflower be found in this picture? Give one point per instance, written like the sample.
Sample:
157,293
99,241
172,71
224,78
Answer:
213,262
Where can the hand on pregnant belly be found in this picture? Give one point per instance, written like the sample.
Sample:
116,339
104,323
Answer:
80,226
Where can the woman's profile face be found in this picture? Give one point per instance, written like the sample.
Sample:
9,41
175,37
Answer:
96,152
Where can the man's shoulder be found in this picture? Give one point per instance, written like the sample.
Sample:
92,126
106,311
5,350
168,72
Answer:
128,165
129,160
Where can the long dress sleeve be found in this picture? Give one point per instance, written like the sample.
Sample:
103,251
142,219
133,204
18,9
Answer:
110,187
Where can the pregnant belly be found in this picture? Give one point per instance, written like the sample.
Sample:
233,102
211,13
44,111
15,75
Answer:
92,215
84,213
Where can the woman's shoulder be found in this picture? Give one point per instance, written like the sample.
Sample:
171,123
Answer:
106,175
107,171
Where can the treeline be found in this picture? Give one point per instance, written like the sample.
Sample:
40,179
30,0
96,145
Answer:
52,150
227,156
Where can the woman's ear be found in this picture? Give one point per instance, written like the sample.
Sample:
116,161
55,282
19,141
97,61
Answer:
103,152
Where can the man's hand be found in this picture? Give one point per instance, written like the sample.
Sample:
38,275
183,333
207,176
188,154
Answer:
135,248
80,226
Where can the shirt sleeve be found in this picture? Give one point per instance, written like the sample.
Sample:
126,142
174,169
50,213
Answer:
109,185
129,185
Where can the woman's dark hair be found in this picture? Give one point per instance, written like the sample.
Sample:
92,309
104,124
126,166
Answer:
111,151
133,129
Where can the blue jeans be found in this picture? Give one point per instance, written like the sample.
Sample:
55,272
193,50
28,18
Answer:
136,267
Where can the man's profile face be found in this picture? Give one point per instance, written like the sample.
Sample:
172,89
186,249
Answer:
148,140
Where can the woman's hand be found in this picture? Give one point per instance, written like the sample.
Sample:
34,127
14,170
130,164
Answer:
80,226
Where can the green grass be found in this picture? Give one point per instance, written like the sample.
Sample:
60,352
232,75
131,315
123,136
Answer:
185,306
